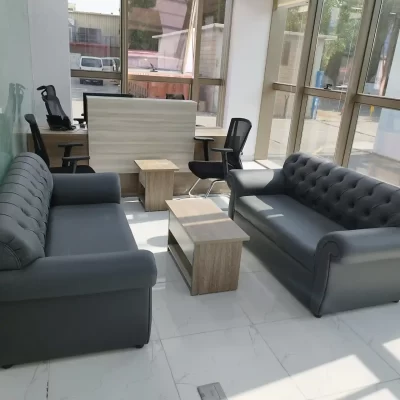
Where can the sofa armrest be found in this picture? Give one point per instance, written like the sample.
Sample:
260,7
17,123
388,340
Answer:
355,269
254,182
362,245
73,189
79,275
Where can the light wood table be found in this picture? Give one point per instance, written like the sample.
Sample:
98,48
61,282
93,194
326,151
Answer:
206,245
157,178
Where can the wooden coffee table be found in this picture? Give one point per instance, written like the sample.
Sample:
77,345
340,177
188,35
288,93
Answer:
157,178
206,245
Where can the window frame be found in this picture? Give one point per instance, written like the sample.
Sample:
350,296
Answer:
354,96
196,81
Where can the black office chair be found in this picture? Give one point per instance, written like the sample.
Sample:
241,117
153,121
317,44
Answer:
238,133
56,117
69,163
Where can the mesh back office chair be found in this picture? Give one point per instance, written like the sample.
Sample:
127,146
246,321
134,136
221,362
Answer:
238,133
56,117
69,163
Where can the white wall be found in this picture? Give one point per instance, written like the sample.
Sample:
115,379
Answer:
15,79
251,21
48,21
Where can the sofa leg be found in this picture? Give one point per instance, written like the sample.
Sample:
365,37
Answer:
139,346
317,316
8,366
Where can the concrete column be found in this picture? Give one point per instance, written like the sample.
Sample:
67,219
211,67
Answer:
251,21
49,34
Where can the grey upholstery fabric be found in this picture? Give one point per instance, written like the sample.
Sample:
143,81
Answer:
85,286
88,229
25,195
340,226
68,326
292,226
70,189
51,277
351,199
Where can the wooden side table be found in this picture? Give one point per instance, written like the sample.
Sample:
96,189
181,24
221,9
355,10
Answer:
206,245
157,178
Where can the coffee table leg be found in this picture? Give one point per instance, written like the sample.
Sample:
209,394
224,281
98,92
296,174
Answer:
159,187
216,267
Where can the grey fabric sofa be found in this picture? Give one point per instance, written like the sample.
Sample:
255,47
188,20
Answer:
329,234
72,279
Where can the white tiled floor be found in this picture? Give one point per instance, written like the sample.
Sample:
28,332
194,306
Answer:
258,342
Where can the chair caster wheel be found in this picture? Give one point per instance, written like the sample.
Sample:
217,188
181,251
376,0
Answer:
395,301
8,366
317,316
139,346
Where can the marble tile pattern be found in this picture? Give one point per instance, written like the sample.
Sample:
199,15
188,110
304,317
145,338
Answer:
259,342
122,130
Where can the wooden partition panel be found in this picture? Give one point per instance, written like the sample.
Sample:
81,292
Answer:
122,130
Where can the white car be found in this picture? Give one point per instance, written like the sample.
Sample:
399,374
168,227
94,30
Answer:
109,64
91,64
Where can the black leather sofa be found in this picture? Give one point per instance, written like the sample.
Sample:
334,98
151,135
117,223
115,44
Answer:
329,234
72,280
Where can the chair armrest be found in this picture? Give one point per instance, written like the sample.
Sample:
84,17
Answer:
67,150
222,150
354,269
77,275
70,144
73,161
72,189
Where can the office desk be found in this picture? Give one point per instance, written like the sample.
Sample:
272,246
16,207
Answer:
129,181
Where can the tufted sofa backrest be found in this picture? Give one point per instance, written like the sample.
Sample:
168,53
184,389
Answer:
25,195
353,200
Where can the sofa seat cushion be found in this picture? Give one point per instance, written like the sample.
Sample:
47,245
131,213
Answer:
88,229
293,227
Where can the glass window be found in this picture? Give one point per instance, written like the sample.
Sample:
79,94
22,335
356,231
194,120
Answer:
291,35
161,37
95,32
376,145
159,90
212,35
383,77
280,128
88,85
336,43
208,106
321,126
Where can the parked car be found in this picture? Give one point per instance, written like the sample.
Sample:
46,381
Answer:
91,64
109,64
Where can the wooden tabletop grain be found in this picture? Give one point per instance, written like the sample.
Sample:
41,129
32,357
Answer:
204,222
156,165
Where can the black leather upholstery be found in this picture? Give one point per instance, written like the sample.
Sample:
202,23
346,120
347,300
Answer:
353,200
340,226
284,221
72,280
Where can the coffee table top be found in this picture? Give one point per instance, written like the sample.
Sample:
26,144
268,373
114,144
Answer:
156,165
204,222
